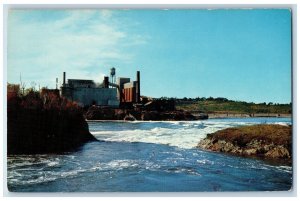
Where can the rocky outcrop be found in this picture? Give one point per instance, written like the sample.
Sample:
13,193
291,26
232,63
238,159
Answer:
202,116
129,118
38,131
44,123
97,113
266,141
103,113
151,116
167,116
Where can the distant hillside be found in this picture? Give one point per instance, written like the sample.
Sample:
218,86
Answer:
223,105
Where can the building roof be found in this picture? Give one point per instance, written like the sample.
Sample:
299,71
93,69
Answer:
81,81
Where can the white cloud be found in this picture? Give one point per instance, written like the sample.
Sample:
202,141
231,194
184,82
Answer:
78,43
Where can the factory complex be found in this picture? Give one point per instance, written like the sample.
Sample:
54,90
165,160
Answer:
110,99
110,92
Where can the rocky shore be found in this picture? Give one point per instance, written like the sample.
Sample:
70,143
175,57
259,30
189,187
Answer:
272,142
45,131
100,113
37,125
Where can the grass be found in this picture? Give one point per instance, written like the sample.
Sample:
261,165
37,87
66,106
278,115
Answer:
215,106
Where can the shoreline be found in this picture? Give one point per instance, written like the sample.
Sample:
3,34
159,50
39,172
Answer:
215,117
243,115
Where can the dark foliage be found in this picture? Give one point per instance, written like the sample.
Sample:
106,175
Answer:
44,124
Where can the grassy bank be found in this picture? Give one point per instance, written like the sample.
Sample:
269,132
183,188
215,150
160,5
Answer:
223,105
276,134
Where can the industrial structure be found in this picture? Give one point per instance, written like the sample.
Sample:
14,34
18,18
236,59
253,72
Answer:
111,92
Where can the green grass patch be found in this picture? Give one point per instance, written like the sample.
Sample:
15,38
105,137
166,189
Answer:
228,106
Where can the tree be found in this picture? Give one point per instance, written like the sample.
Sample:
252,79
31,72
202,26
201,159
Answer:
33,85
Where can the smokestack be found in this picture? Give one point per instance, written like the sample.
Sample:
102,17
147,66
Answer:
64,78
138,93
106,82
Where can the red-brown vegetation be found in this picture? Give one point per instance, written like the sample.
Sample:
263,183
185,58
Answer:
44,123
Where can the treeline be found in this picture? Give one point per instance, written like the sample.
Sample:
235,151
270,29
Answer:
45,99
218,99
224,105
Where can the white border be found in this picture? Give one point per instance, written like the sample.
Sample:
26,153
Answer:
158,5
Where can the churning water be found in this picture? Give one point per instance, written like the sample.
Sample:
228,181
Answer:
147,157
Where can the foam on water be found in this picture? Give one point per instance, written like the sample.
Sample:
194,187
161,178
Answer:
183,134
137,151
18,176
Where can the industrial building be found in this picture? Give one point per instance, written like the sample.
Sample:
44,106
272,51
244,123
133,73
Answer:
108,93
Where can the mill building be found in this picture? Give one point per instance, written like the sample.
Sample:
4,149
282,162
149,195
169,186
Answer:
110,92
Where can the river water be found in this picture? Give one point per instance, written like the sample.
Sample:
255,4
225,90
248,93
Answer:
149,157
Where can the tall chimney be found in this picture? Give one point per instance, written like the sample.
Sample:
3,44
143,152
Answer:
138,93
105,81
64,78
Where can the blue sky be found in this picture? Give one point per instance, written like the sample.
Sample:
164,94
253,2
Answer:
238,54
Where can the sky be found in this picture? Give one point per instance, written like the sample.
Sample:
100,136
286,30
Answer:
239,54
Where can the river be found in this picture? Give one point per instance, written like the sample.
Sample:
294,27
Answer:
149,157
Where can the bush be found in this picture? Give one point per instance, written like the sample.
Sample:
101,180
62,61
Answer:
43,123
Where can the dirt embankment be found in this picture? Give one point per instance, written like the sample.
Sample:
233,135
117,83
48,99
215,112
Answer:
265,141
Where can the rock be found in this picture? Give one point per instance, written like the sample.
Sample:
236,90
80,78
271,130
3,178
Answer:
150,115
106,113
269,141
205,143
136,114
35,131
228,147
188,116
202,116
249,152
99,113
129,118
120,114
278,152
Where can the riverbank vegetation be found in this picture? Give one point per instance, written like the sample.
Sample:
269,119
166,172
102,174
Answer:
43,122
223,105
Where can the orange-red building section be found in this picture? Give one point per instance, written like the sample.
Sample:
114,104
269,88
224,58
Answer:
129,94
